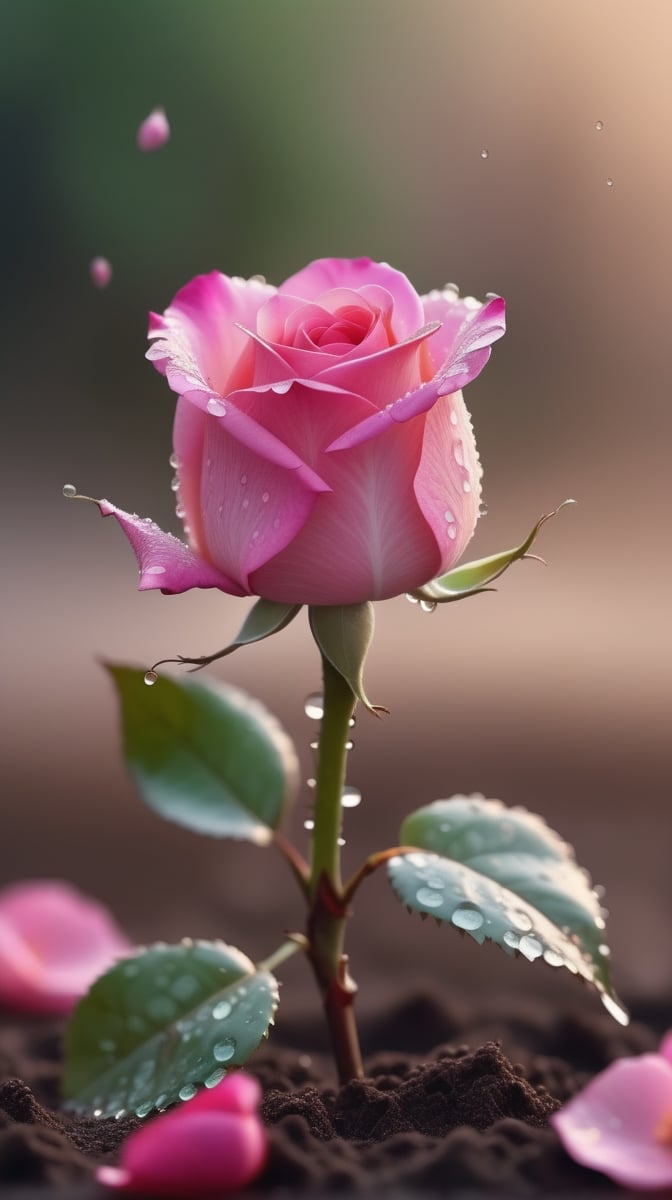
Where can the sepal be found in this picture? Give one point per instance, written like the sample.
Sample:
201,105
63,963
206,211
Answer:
343,634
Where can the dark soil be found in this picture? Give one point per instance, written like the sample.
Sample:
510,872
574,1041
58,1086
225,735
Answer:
469,1116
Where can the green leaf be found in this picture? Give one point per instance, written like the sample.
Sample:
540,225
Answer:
160,1025
265,618
500,874
207,757
343,634
472,578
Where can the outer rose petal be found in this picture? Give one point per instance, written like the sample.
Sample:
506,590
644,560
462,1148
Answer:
53,943
327,273
468,354
447,485
610,1126
666,1047
164,561
212,1144
198,345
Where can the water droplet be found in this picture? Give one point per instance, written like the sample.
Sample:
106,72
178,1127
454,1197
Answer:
245,503
615,1009
174,484
216,1077
449,516
161,1008
243,480
458,453
185,988
511,938
309,823
315,745
174,461
599,125
188,1091
416,860
341,841
435,881
255,535
225,1050
553,957
265,498
467,916
604,950
69,491
161,1102
150,679
466,486
97,1112
610,183
144,1109
180,511
485,153
428,606
351,722
530,946
453,417
351,797
221,1010
156,570
311,783
412,599
216,408
349,744
314,706
520,919
429,898
282,388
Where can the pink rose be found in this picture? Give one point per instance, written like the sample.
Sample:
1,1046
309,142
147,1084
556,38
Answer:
53,943
212,1144
324,452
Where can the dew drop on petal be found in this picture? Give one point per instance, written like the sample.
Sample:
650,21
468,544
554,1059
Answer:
467,916
150,678
314,706
610,183
466,486
449,516
599,125
412,599
485,153
174,461
156,570
216,408
69,491
174,484
453,417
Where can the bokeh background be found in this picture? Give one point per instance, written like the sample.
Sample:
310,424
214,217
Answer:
301,129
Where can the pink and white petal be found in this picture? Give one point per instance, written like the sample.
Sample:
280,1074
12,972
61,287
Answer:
610,1126
20,969
469,353
252,506
188,436
447,485
666,1046
454,312
379,544
324,274
238,1093
200,346
164,561
383,377
59,923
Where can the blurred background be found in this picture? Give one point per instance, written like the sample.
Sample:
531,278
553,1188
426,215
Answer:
517,147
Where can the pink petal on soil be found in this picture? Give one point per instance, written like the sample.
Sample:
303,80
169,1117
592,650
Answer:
54,942
100,270
154,131
614,1125
210,1145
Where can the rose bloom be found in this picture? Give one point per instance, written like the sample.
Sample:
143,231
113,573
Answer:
324,453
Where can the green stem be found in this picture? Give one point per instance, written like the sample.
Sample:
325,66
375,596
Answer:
339,705
286,950
328,913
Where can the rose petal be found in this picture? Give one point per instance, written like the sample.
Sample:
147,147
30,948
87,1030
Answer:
447,485
54,942
321,276
100,270
164,561
212,1144
666,1047
197,343
610,1126
154,131
381,378
468,355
